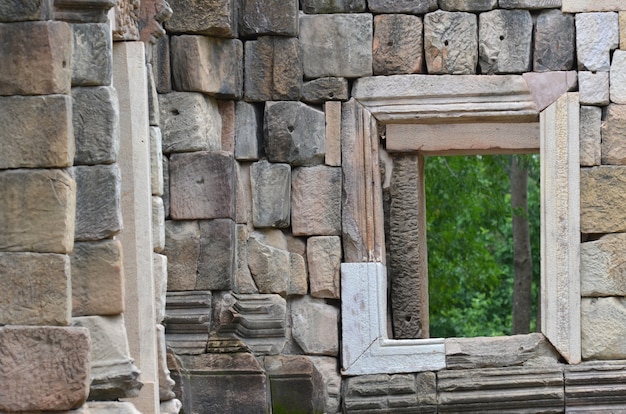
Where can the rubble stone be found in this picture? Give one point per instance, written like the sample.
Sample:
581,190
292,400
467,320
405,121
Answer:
182,248
618,77
332,6
590,135
602,192
402,6
596,35
603,326
211,17
271,194
451,42
324,259
602,266
92,63
468,5
555,41
594,88
269,17
505,41
296,384
248,131
398,44
315,326
613,130
316,201
321,90
16,11
216,264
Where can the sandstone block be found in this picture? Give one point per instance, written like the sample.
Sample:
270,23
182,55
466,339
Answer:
622,30
40,63
92,59
594,88
36,289
161,65
244,283
316,201
315,326
613,130
126,25
211,17
590,135
294,133
603,326
270,266
398,44
327,367
107,407
324,260
216,264
618,77
248,131
555,41
208,65
156,161
392,392
98,201
332,6
321,90
468,5
602,266
273,69
529,4
295,383
271,194
159,268
602,193
597,34
182,248
97,278
52,375
187,321
165,381
172,406
227,113
189,122
547,87
336,45
202,185
16,11
243,206
333,134
95,115
154,118
166,186
402,6
298,282
451,42
158,224
37,209
505,41
36,132
269,17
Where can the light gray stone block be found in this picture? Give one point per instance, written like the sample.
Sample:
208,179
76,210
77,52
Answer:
92,63
158,224
451,42
216,261
156,161
505,41
468,5
271,194
618,77
316,201
603,327
324,260
269,17
212,17
613,132
107,407
597,34
594,88
154,118
159,269
321,90
555,42
333,6
398,44
315,326
248,131
590,135
529,4
602,266
182,248
402,6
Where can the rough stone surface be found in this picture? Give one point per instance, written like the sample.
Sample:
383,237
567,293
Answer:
40,63
36,289
36,132
324,260
618,77
269,265
529,4
622,30
156,161
273,69
613,130
336,45
159,269
24,10
97,278
297,275
596,35
295,383
315,326
325,89
92,63
154,117
602,266
216,263
126,20
505,43
594,88
202,185
332,149
161,65
316,201
398,44
269,17
52,375
244,283
165,381
271,194
227,113
187,321
95,115
182,248
211,17
402,6
451,42
294,133
166,186
208,65
107,407
603,327
98,201
327,367
158,224
555,41
333,6
37,211
189,122
590,135
244,194
602,193
468,5
248,131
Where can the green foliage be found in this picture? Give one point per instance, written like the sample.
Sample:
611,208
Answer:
470,243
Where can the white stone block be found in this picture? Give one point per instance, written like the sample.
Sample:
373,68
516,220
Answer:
594,88
596,35
618,77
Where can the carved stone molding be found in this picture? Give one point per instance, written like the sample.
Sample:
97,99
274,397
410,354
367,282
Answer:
82,11
187,321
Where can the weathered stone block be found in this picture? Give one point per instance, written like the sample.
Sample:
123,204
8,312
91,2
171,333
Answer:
333,134
166,383
37,209
161,65
187,321
295,384
202,185
271,194
95,115
547,87
36,131
529,4
227,113
107,407
43,368
618,77
270,266
603,327
269,17
244,283
468,5
24,10
451,42
36,289
208,65
590,135
92,59
211,17
98,201
602,266
159,269
158,224
622,30
154,117
333,6
505,41
182,248
40,63
166,186
316,201
324,260
398,44
126,25
156,161
248,131
327,367
336,45
216,264
294,133
244,194
315,326
97,278
602,195
297,275
325,89
594,88
555,41
189,122
596,35
402,6
613,130
273,69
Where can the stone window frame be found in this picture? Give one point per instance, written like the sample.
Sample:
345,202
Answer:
407,101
